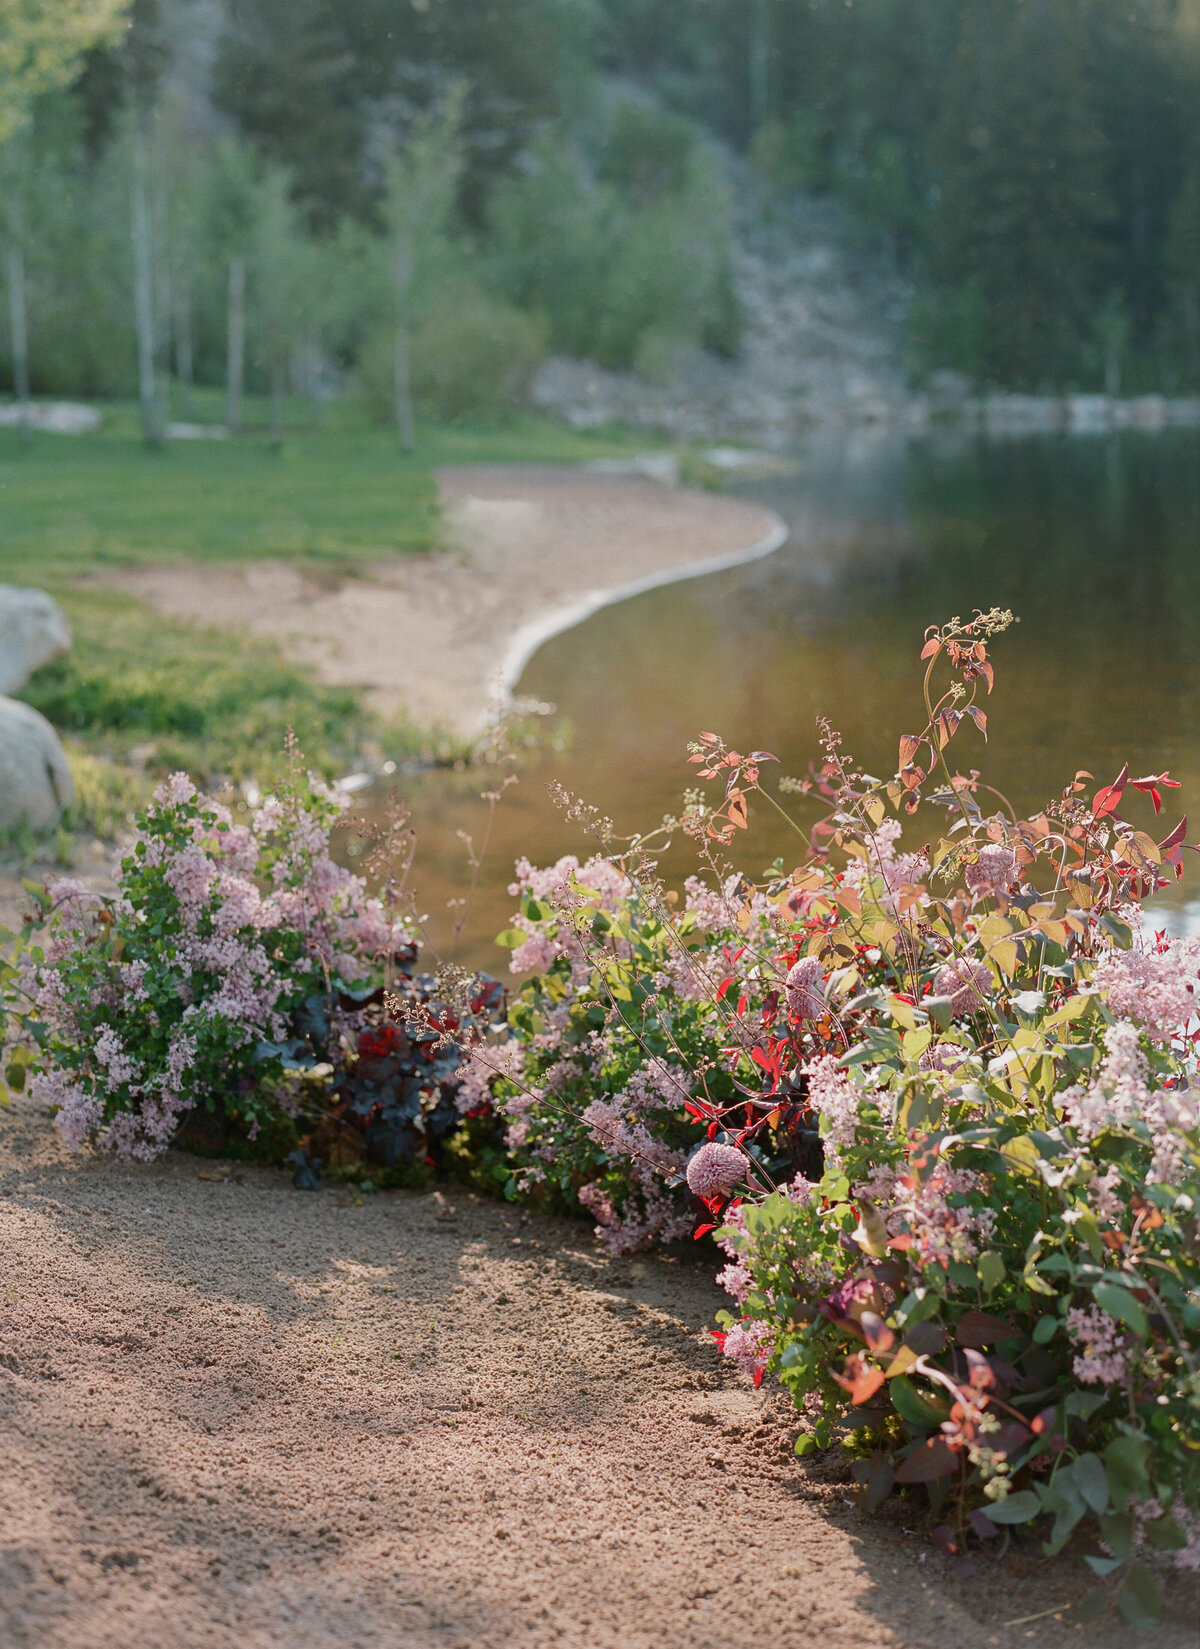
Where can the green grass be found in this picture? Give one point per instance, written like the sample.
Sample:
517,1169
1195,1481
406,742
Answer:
336,494
153,694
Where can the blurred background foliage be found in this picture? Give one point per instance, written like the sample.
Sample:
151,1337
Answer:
420,197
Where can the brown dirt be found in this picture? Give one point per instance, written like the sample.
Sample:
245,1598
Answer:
427,635
232,1413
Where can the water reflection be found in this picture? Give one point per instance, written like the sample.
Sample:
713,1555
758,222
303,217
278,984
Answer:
1094,543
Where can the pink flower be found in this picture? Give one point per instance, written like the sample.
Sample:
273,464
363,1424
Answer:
805,993
993,872
715,1169
1103,1358
832,1094
1157,989
749,1345
965,981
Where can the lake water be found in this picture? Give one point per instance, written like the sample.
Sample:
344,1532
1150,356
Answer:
1093,542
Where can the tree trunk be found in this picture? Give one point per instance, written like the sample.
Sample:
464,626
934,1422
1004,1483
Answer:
184,365
278,387
758,67
235,359
143,296
405,431
402,275
20,338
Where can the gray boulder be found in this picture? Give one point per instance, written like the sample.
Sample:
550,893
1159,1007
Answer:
33,630
35,780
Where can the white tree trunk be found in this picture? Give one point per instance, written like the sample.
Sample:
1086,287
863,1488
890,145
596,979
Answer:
143,294
20,337
184,364
235,359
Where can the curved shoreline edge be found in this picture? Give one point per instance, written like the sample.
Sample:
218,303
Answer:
529,637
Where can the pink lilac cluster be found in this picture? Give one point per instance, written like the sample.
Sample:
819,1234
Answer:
219,956
733,905
610,1126
920,1209
805,989
647,1216
966,982
1103,1355
1120,1094
894,870
714,1170
598,879
994,871
749,1344
833,1095
1155,987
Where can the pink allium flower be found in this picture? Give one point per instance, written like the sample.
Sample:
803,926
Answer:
966,982
942,1056
994,871
715,1170
806,998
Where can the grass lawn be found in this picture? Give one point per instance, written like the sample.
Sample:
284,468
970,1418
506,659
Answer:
338,493
157,695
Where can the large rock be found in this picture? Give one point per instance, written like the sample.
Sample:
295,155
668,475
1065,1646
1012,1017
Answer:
35,780
33,630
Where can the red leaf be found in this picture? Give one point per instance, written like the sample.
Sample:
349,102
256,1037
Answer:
860,1380
978,717
702,1231
932,646
935,1458
980,1328
947,726
1105,801
909,745
724,986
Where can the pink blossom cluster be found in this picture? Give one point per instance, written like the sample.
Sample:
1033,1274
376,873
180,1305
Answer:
967,982
919,1208
1121,1094
749,1344
140,1037
714,1170
1103,1354
1155,987
994,871
805,984
835,1098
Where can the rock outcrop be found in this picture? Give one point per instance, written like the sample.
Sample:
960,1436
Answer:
35,778
33,630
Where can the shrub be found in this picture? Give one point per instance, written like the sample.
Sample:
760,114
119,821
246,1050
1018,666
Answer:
238,974
951,1143
470,354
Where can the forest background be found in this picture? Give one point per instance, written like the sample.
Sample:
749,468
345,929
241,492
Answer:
420,198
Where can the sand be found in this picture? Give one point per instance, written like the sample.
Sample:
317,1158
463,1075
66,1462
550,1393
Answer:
442,638
233,1413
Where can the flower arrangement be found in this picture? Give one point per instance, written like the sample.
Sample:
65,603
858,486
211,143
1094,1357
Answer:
948,1134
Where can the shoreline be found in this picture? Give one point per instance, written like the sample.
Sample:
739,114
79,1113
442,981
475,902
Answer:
443,638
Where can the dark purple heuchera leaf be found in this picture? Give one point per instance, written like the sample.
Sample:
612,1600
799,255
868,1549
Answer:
928,1461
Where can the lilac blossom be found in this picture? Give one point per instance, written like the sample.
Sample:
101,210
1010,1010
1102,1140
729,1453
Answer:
1102,1357
1157,989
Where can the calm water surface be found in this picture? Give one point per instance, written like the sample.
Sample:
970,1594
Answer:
1093,542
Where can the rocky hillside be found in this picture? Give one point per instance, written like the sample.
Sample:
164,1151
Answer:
823,345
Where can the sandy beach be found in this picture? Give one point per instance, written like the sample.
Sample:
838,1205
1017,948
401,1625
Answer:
235,1414
440,638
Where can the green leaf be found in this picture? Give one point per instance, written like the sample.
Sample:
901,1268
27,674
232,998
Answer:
940,1009
1140,1600
1083,1403
511,938
913,1406
1045,1329
991,1270
1125,1463
1021,1507
1120,1303
1117,1530
806,1443
1165,1535
1102,1565
1091,1480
